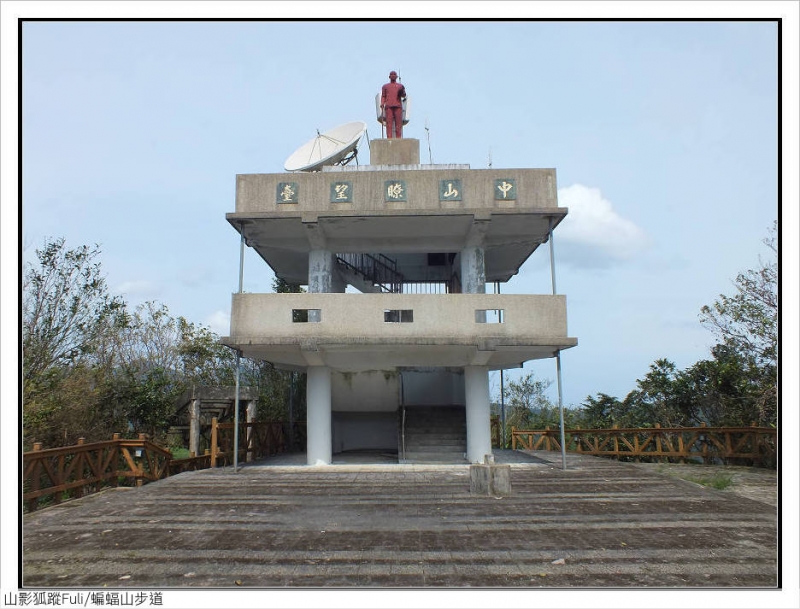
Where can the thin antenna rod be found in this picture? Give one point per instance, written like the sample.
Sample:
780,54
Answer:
428,133
490,157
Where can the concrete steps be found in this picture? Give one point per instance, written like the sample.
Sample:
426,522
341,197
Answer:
597,524
435,434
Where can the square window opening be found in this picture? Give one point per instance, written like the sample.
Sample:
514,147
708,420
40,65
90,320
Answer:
303,316
489,316
401,316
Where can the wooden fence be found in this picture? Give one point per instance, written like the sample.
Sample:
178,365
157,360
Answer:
73,471
56,474
256,441
744,445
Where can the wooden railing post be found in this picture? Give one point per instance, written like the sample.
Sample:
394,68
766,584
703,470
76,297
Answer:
658,439
140,463
79,467
36,474
214,438
115,458
704,443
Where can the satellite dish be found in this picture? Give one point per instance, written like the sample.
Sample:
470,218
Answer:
334,147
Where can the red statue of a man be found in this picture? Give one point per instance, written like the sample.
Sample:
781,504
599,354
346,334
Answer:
392,95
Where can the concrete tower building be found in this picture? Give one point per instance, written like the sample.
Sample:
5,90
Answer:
401,362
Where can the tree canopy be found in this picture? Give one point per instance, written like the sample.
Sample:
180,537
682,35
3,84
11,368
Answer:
736,386
92,365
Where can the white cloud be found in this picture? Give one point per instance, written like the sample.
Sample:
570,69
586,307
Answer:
219,322
593,234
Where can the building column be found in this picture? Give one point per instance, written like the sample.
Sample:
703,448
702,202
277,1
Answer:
473,270
318,417
479,434
251,418
320,276
476,378
321,265
194,427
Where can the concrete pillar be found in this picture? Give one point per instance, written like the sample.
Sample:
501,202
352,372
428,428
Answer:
473,270
194,427
320,276
251,418
479,434
318,417
320,271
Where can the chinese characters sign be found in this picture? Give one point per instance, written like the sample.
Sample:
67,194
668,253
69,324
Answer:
450,190
394,190
341,192
505,190
288,192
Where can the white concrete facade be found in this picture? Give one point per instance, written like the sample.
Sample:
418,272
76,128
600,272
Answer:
424,240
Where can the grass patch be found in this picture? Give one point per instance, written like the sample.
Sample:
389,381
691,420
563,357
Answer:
717,481
180,453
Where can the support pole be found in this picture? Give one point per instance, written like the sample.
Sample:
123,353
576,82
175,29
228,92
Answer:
236,419
552,255
291,412
238,358
561,412
502,389
241,260
503,409
558,353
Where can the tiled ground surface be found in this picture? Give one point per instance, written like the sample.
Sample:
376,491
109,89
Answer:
598,524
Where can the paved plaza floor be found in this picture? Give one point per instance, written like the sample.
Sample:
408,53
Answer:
279,523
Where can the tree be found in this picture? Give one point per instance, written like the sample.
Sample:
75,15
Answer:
602,412
65,308
748,320
92,366
281,286
151,358
728,391
661,397
529,407
65,303
747,325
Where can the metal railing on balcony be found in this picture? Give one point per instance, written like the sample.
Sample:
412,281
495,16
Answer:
377,269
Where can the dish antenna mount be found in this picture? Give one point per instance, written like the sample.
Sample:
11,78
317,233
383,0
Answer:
334,147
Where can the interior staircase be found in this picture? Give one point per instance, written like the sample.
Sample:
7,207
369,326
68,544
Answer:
377,272
433,434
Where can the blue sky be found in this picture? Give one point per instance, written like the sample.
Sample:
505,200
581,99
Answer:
663,135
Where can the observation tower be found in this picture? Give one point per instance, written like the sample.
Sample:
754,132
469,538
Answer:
396,332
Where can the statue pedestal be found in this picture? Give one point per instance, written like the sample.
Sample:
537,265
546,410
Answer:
403,151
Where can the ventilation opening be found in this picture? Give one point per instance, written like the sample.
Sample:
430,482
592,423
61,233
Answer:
306,315
402,316
489,316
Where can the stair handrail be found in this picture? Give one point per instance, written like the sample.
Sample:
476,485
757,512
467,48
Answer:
403,432
374,269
